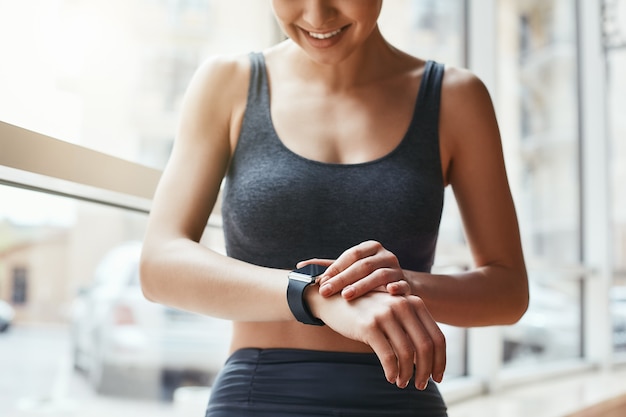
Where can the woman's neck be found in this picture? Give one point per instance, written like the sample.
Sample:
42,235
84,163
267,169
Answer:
363,66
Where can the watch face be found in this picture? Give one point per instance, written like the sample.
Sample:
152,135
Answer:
308,273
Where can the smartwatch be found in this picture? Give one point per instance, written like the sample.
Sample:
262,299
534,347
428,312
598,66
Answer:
299,279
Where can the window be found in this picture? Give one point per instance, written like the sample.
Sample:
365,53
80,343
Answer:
436,30
110,75
20,286
114,77
537,107
431,29
615,42
72,271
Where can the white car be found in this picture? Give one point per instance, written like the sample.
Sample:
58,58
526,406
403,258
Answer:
6,316
128,345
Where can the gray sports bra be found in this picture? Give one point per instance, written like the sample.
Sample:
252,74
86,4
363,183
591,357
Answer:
279,208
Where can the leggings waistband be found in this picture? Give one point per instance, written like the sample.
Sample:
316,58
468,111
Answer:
285,356
295,382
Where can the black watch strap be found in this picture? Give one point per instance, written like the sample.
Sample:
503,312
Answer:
297,304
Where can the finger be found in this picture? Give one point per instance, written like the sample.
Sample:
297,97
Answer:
399,288
353,282
385,353
439,342
350,256
423,355
374,276
429,344
323,262
360,270
403,348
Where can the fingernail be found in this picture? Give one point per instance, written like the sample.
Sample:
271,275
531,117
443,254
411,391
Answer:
326,290
348,292
438,378
401,384
423,386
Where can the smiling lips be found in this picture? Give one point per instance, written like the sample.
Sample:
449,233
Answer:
326,35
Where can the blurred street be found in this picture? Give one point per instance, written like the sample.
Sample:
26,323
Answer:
38,379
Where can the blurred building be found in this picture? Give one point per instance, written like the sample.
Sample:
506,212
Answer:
33,279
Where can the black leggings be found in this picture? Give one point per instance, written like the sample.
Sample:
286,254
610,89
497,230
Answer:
292,383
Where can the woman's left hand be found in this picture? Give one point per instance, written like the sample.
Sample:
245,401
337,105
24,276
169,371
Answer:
365,267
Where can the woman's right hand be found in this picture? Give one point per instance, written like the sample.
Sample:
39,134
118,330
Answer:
399,329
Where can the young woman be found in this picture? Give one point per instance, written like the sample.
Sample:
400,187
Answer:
335,148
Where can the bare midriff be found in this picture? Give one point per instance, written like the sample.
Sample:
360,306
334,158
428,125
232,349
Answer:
291,335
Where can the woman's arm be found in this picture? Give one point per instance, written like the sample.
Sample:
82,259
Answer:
175,269
496,290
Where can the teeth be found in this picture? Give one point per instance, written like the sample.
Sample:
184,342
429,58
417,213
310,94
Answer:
324,35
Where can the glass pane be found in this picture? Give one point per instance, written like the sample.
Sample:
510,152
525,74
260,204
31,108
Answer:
430,29
110,74
433,30
436,30
77,337
618,313
617,105
616,61
537,106
550,329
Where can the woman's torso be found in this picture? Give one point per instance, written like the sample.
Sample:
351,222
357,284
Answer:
316,171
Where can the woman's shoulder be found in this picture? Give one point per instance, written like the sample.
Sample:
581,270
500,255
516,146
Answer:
221,74
464,95
462,83
217,92
215,99
467,117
